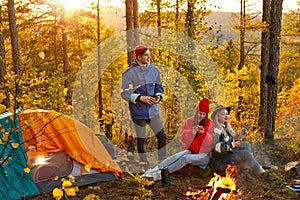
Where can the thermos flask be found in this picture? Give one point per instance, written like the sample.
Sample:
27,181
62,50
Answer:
165,177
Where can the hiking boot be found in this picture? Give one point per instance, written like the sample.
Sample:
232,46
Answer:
265,167
268,177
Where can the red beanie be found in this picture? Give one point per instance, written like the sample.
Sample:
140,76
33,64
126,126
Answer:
139,49
203,105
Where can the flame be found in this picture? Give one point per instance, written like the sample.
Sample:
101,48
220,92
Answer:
219,187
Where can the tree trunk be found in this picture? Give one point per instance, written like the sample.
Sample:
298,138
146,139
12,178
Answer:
136,22
66,58
159,17
275,29
190,22
265,38
242,55
99,66
177,14
3,71
242,35
55,28
129,31
15,45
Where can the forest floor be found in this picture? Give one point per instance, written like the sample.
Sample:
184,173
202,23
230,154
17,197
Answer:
248,186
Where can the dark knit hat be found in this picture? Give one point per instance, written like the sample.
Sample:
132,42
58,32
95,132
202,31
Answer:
203,105
218,109
139,49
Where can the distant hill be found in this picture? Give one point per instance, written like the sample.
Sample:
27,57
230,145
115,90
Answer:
115,17
225,20
220,17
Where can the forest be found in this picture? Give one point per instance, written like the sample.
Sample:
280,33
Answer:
71,61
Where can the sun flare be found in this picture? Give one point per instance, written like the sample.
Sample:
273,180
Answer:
76,4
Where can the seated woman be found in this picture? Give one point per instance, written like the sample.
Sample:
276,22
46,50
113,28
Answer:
227,150
197,136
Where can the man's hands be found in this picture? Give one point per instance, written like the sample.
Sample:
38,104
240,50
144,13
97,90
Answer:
150,100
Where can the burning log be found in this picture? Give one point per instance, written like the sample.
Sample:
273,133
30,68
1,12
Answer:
218,188
199,194
219,192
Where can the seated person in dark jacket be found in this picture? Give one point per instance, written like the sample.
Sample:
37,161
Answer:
223,152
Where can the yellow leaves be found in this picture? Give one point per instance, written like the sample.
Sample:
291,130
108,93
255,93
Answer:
29,122
5,137
71,191
91,197
69,108
57,193
66,184
12,77
15,145
31,147
94,187
2,108
2,96
88,167
43,73
71,178
106,164
11,109
42,54
65,91
27,170
5,163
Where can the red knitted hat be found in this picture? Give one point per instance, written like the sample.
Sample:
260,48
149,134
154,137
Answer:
203,105
139,49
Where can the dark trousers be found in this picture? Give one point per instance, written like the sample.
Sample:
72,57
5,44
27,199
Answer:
157,127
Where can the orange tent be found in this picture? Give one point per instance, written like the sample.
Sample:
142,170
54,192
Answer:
47,133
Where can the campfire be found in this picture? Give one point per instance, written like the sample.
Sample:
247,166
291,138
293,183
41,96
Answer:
218,188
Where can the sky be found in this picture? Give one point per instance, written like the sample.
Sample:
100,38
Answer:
234,5
225,5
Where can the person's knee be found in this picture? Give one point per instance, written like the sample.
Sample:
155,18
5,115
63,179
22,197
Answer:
161,136
247,154
247,144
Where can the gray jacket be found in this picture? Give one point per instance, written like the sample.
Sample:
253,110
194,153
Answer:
141,81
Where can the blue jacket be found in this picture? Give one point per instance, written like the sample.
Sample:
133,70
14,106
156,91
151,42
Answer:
145,81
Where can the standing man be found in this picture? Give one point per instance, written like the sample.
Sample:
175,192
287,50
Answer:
142,89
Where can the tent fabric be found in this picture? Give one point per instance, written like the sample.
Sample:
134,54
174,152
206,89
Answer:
83,180
58,165
15,182
49,132
48,176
